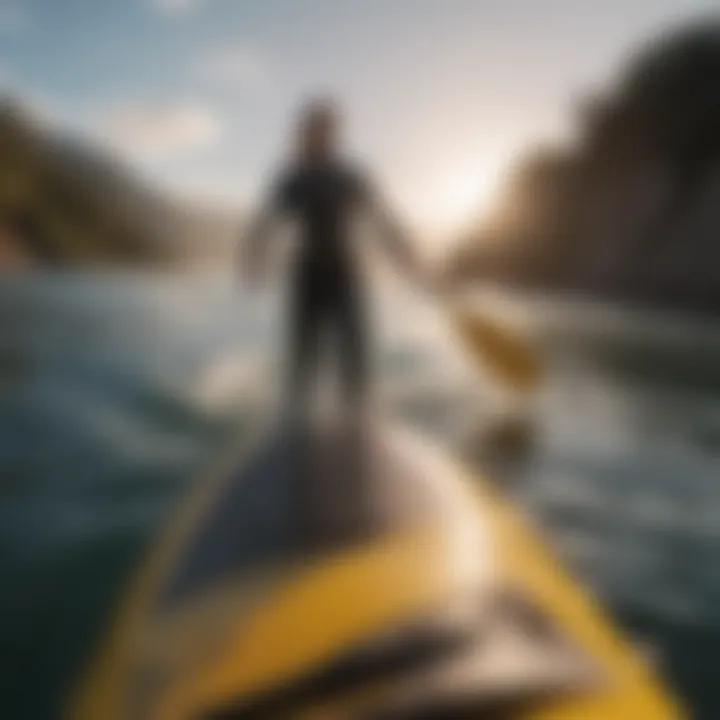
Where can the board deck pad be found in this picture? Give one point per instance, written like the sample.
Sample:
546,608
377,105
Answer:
306,491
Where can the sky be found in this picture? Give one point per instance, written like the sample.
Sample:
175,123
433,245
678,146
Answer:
440,95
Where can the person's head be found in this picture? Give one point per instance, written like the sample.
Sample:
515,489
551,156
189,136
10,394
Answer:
319,130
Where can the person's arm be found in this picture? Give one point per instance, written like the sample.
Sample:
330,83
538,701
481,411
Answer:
253,246
394,237
390,231
252,249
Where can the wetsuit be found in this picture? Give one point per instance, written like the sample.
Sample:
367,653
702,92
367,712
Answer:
326,292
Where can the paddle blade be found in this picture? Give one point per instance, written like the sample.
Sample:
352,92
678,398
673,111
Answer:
510,359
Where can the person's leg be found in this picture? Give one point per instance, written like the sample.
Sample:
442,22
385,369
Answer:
349,316
354,495
305,320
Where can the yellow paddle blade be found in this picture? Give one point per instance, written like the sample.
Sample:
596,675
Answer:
508,357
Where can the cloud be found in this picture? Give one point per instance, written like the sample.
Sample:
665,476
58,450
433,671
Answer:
235,67
162,130
175,6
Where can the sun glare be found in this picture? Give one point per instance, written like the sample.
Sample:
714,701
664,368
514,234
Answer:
458,197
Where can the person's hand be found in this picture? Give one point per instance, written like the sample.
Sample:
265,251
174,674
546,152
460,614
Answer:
249,268
429,279
251,278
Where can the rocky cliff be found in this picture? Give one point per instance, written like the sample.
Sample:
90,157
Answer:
630,210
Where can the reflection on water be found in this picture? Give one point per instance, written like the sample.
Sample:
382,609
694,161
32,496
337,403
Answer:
116,391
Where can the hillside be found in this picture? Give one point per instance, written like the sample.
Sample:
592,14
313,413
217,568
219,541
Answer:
631,210
65,202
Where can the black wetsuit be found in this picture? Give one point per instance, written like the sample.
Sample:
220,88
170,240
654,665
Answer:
326,289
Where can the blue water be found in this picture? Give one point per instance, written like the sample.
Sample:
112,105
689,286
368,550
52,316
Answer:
116,391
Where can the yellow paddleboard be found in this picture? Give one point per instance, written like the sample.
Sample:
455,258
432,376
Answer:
347,572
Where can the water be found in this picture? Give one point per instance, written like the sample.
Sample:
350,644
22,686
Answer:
116,391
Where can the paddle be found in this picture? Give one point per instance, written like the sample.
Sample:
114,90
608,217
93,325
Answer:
495,346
